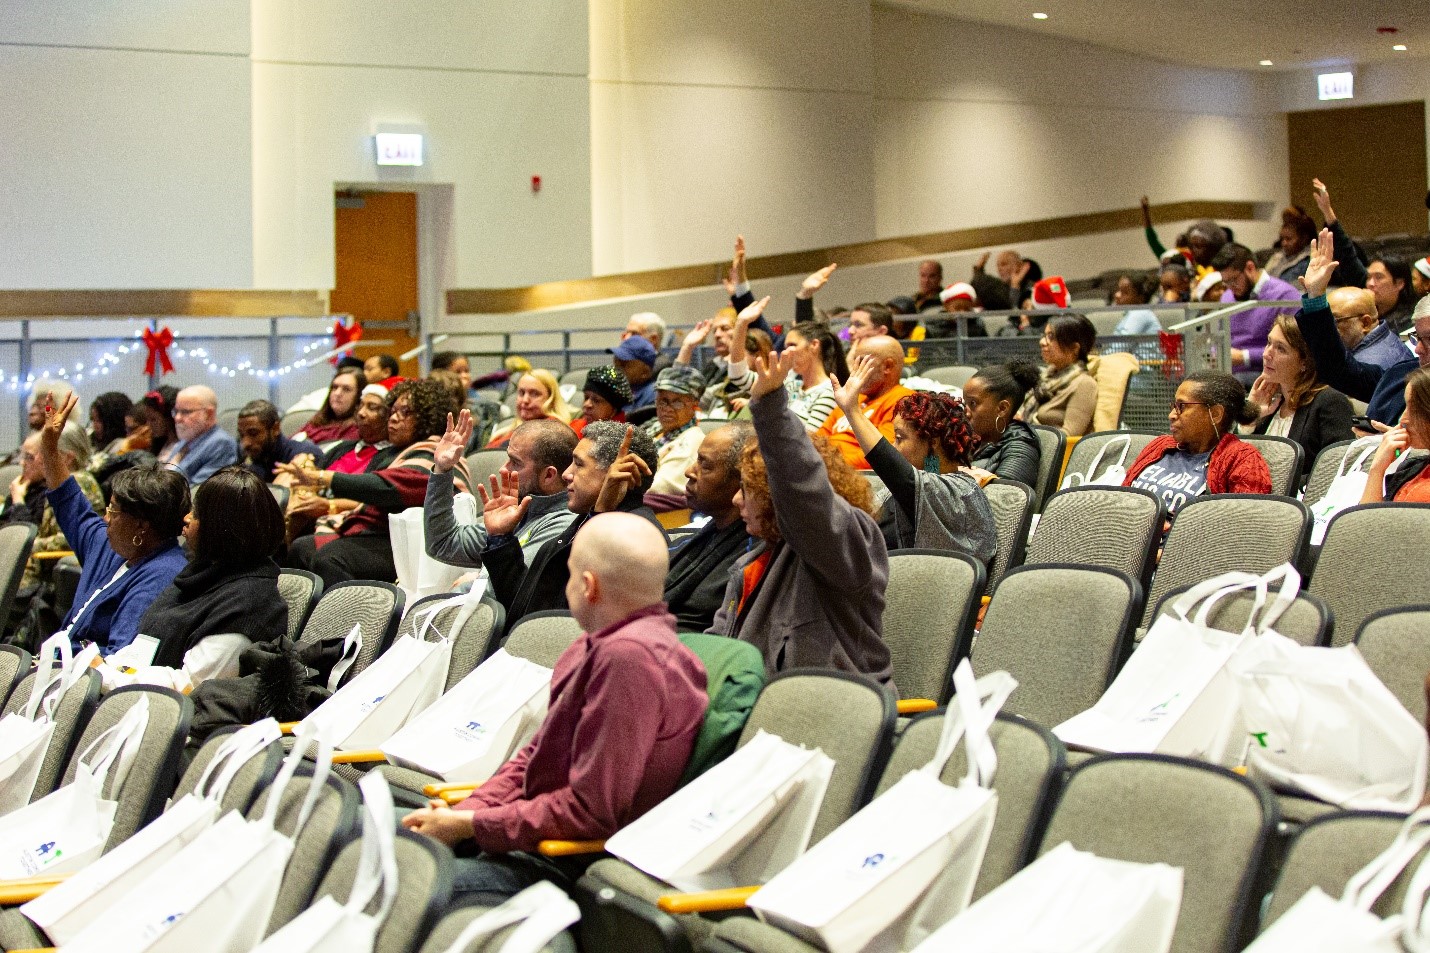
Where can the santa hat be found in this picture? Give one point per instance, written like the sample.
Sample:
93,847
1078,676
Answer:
382,388
1423,266
959,289
1051,293
1209,281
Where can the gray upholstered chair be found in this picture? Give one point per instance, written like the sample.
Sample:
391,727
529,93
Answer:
952,375
255,775
16,540
1211,535
1326,467
1211,822
450,927
1063,632
333,823
71,716
1030,768
1052,445
929,611
541,637
1012,505
14,666
1396,646
1114,527
1307,620
301,590
294,421
376,605
1283,457
424,889
848,717
1375,556
1086,450
483,465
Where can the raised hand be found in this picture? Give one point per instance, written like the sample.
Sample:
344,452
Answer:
625,474
982,262
748,316
55,420
814,282
846,395
698,335
738,265
1022,272
1323,201
502,508
1146,213
453,445
770,374
1322,266
18,489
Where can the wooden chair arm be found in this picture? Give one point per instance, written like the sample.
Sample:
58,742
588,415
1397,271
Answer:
25,889
569,848
55,554
911,706
707,901
40,949
359,757
437,790
288,727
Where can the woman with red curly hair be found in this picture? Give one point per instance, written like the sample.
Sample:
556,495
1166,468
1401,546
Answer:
936,503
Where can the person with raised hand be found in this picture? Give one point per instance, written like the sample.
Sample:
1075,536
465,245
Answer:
537,454
130,555
811,593
936,503
1352,262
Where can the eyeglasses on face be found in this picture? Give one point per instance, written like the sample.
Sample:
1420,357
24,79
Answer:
1180,406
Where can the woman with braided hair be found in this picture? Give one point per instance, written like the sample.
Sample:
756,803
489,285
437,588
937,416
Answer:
936,503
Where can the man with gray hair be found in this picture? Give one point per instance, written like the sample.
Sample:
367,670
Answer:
652,327
611,469
203,448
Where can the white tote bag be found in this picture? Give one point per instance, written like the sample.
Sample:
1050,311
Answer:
475,728
370,708
1316,923
741,822
1175,696
67,909
217,893
1320,722
331,927
1346,489
1070,901
1115,474
904,865
541,911
417,573
67,828
25,735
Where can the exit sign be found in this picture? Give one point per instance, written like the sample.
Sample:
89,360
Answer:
399,148
1336,85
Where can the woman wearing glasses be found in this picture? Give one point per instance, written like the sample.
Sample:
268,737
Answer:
1202,454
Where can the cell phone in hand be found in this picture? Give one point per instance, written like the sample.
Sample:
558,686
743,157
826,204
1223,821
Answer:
1362,422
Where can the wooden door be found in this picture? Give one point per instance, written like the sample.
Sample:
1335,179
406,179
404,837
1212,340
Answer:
1372,159
377,270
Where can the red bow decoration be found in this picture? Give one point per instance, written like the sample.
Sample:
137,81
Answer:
344,335
1171,345
158,345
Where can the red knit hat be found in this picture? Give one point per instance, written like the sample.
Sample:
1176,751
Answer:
1051,293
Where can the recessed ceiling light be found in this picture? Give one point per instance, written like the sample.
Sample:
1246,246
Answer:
1040,16
1400,47
1267,63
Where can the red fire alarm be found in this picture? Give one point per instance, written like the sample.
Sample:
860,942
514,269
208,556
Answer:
536,183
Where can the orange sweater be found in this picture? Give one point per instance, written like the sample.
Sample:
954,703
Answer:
880,412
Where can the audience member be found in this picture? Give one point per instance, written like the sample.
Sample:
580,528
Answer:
811,593
1389,280
881,395
605,395
930,286
818,358
360,547
635,358
1018,275
371,449
1420,277
1409,481
1203,241
1351,270
1174,284
870,320
129,555
202,447
337,418
538,397
1292,402
677,437
700,562
227,597
1066,394
28,502
1132,291
537,455
44,394
261,442
107,429
936,504
610,471
992,292
457,363
1245,282
627,702
156,432
729,397
648,325
316,399
1209,287
737,285
379,367
718,329
1293,249
1367,338
1383,388
959,298
1202,454
1007,448
453,383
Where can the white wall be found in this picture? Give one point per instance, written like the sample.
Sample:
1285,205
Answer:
500,87
127,149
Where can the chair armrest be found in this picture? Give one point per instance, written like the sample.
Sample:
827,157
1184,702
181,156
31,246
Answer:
707,901
908,706
456,796
25,889
40,949
288,727
55,554
437,790
358,757
569,848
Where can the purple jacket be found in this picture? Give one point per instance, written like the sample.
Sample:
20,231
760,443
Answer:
1249,328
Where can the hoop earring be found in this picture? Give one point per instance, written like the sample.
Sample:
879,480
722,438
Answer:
137,540
998,422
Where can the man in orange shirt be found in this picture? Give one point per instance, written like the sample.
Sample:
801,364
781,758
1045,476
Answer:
881,395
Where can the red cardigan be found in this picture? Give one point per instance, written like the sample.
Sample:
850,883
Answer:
1235,465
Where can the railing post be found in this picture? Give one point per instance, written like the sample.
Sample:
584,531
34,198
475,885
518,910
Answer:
273,353
24,375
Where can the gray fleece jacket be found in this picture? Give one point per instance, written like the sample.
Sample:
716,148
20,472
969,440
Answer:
462,545
820,603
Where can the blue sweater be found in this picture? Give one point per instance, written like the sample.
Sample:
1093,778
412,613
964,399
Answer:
207,454
112,620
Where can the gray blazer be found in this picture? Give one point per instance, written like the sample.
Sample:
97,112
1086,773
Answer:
820,603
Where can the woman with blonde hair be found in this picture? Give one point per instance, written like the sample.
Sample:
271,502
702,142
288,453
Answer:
1294,404
538,397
